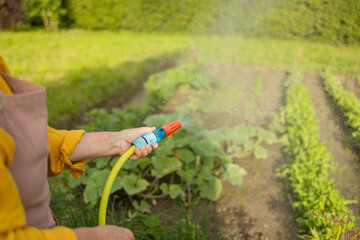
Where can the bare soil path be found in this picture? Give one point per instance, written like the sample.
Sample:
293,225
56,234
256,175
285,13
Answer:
260,208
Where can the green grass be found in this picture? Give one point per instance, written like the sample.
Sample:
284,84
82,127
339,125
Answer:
275,53
48,57
82,69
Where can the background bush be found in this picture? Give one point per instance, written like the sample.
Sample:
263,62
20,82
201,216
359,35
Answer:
321,20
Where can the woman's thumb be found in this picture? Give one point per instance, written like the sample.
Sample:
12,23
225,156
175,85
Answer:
144,130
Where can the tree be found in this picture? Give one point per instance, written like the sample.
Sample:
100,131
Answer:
50,11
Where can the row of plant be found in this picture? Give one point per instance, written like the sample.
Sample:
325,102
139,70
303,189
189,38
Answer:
346,102
187,166
322,213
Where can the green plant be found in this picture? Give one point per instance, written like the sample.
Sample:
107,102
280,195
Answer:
307,173
162,86
340,222
346,103
190,223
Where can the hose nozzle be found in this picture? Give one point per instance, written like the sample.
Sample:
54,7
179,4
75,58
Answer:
171,127
157,135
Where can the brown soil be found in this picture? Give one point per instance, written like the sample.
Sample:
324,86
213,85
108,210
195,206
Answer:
260,208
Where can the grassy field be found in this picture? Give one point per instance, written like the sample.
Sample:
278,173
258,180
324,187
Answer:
47,57
277,53
81,69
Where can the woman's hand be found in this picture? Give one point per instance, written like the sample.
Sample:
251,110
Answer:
101,144
104,232
127,136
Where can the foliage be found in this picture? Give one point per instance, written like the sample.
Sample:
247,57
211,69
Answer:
347,104
184,166
340,222
50,11
161,86
187,225
197,16
322,20
307,175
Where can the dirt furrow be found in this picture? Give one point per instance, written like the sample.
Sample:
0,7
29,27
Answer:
260,208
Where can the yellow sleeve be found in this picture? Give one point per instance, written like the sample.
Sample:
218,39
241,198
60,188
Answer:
61,144
3,67
12,215
4,87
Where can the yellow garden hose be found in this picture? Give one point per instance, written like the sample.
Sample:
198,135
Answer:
109,182
149,138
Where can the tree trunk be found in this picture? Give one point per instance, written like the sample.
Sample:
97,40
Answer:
11,12
48,19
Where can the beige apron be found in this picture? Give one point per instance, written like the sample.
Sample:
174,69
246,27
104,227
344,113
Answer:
24,116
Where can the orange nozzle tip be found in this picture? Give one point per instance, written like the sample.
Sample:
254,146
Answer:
171,127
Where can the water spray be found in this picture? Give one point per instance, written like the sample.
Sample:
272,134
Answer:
149,138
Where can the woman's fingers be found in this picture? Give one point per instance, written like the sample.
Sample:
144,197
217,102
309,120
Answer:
149,149
143,152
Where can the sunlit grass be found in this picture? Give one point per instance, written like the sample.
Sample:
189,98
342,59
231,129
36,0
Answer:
44,57
276,53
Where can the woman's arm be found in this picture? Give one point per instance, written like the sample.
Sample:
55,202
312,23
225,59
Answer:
100,144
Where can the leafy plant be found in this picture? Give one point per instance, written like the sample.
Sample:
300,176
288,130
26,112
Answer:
162,86
347,104
340,222
307,174
186,165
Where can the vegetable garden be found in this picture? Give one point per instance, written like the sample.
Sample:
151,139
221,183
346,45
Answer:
269,147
